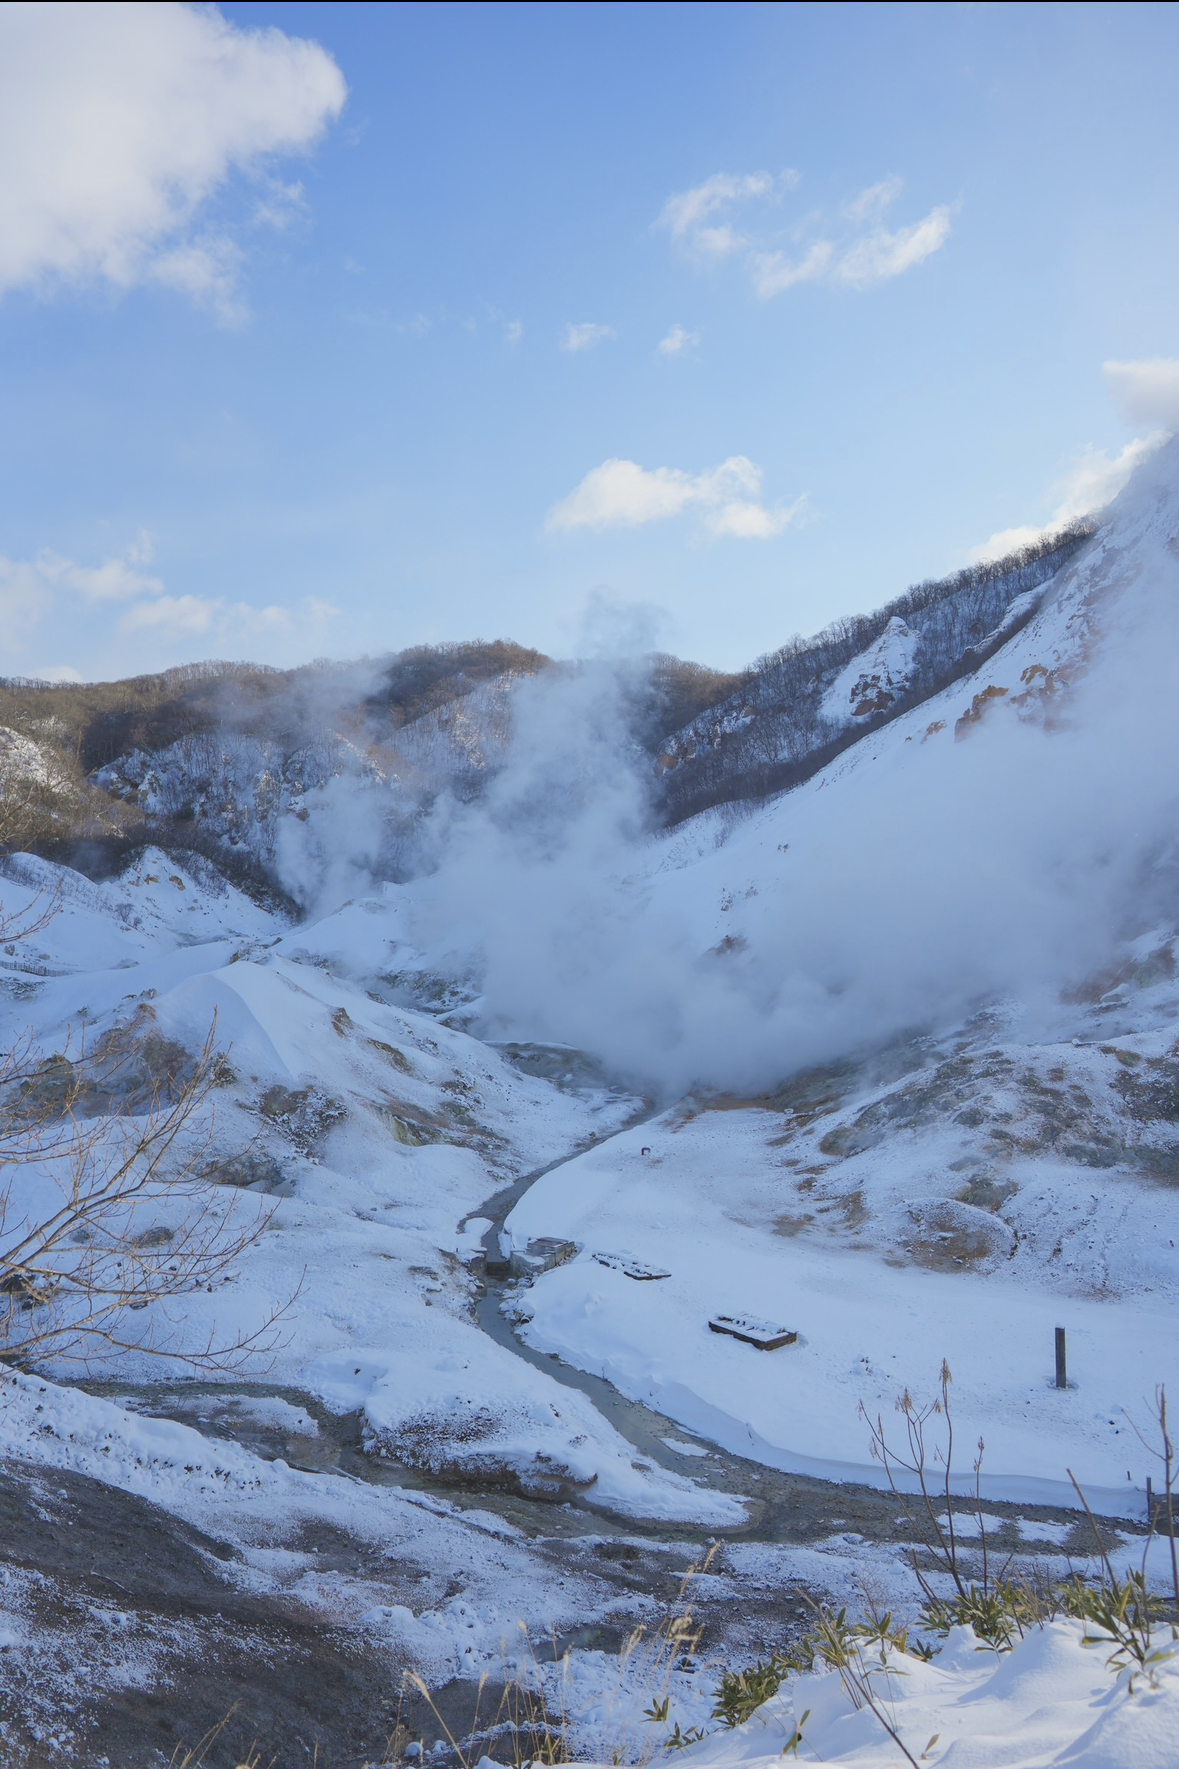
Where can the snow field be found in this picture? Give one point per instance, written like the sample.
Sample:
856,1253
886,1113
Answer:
360,1264
867,1330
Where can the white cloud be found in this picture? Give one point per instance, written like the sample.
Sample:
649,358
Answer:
622,494
513,332
55,592
585,335
859,255
184,616
875,200
315,608
686,214
1146,392
773,273
753,522
117,580
180,614
1093,481
117,123
30,590
677,341
205,271
883,255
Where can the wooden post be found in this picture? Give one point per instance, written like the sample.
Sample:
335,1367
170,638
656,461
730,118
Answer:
1061,1364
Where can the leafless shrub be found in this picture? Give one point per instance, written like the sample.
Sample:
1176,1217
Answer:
1164,1449
918,1459
103,1213
102,1210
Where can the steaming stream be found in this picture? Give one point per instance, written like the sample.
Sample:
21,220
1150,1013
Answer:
787,1509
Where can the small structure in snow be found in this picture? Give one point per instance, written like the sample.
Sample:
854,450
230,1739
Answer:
544,1253
751,1331
630,1268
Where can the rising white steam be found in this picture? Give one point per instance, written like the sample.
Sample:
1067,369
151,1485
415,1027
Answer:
892,893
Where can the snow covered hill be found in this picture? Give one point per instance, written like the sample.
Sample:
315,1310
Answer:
968,925
886,1065
229,759
804,704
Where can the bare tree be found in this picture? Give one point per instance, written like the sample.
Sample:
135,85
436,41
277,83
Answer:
103,1212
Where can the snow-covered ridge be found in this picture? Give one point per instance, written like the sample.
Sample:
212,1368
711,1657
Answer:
262,752
799,706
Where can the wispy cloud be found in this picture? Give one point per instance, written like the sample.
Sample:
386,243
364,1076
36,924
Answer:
622,494
185,616
586,335
116,580
775,272
677,341
871,203
513,332
1091,482
1146,392
119,124
205,270
728,215
693,217
55,594
882,255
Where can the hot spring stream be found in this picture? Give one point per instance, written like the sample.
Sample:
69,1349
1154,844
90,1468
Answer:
783,1508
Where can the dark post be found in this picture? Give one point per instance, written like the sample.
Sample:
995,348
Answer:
1061,1365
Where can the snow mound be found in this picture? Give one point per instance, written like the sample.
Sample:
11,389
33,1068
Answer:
473,1413
1050,1703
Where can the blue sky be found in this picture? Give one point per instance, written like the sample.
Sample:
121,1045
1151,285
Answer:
291,371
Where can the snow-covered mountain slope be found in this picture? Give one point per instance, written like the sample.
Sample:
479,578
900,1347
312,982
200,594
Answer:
968,924
372,1132
242,790
1008,839
232,759
876,679
913,1029
802,705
